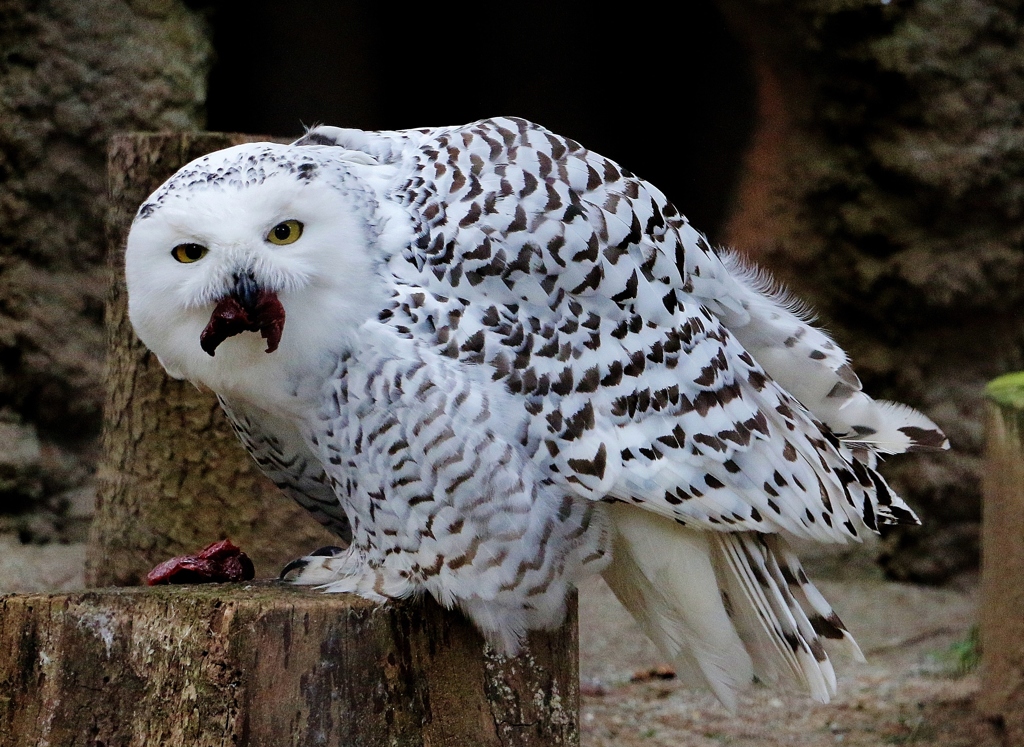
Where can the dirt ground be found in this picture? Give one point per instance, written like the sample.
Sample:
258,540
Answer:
909,693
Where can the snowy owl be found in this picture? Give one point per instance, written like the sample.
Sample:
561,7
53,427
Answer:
494,362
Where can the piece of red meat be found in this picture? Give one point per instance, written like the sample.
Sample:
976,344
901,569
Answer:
219,563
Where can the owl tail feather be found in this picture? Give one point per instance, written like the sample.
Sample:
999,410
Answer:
776,330
724,607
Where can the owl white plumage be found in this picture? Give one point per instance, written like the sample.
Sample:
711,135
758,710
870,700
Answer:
493,362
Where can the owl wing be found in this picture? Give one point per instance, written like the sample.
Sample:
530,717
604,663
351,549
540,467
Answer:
283,456
652,368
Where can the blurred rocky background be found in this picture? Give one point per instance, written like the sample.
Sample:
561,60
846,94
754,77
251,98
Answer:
885,184
71,73
868,152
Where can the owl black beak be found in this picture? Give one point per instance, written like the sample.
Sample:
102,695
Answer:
246,291
247,308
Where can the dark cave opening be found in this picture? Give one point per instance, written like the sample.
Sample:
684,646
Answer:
669,94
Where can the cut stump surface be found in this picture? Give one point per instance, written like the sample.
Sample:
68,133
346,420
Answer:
267,664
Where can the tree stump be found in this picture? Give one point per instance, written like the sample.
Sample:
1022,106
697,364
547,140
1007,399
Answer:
269,665
240,664
1002,558
172,477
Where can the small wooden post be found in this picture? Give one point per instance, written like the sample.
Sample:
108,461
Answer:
1002,558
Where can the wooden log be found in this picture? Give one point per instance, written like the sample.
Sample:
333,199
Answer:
172,476
1002,558
265,664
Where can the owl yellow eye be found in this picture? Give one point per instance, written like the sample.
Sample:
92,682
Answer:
188,252
285,233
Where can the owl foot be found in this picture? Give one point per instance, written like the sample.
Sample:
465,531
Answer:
338,570
313,568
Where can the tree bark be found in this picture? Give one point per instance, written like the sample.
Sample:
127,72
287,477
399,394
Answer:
1002,556
172,478
265,664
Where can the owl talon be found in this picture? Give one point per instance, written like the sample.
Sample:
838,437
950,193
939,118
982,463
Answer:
299,565
324,565
330,551
295,565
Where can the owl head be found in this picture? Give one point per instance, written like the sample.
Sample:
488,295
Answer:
257,257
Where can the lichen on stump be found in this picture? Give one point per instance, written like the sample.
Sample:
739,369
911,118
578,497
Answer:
268,664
